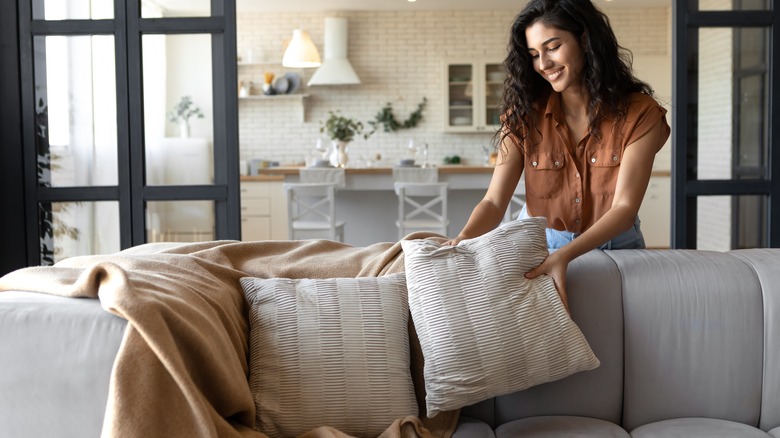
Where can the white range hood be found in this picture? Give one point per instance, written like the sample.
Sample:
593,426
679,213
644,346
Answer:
335,68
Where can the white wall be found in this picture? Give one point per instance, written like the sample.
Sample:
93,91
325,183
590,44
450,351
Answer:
399,57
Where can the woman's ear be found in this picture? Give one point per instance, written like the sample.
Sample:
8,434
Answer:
584,40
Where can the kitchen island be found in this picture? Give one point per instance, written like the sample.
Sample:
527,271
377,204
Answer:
369,206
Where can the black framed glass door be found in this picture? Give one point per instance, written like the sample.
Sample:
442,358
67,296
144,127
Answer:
129,132
726,159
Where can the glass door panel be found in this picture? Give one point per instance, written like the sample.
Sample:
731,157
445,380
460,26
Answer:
494,90
69,229
732,116
75,95
731,222
734,5
189,8
178,110
179,221
460,80
72,9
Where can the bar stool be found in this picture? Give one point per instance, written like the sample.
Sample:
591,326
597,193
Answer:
422,201
311,208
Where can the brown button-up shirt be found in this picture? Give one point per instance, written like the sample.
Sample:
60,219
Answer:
573,185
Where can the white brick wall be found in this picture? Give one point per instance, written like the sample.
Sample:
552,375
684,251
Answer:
399,57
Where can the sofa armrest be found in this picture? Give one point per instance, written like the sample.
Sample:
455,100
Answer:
56,356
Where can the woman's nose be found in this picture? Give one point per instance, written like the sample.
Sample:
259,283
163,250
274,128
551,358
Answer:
544,61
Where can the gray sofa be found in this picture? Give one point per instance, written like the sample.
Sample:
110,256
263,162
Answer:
689,343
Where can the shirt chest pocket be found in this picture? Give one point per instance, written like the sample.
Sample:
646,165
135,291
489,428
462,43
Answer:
544,178
604,167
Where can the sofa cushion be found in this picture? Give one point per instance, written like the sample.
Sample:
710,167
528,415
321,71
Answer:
484,329
329,352
558,426
775,433
694,336
472,428
697,428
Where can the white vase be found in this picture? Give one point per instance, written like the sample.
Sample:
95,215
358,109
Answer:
338,154
184,129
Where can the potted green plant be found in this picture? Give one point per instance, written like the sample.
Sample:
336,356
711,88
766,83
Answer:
181,114
341,130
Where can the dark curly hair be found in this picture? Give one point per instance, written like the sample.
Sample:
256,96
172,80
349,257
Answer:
607,74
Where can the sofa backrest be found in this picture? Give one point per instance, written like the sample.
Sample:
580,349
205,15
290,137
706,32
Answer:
694,342
593,285
766,264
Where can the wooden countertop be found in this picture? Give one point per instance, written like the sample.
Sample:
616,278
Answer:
278,173
293,170
262,178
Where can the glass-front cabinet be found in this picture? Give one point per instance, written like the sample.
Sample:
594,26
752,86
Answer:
473,95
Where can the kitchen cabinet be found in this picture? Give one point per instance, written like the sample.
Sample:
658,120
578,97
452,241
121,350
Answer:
263,210
472,95
656,212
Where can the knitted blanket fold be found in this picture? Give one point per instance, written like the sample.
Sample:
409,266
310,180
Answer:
182,367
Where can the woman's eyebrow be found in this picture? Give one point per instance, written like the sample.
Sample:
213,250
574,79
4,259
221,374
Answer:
546,42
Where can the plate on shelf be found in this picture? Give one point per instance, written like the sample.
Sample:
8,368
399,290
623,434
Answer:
294,80
281,84
496,76
460,121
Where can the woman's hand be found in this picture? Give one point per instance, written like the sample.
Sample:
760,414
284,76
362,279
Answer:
453,242
555,266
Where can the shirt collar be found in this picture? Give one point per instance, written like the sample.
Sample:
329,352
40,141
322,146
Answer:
554,107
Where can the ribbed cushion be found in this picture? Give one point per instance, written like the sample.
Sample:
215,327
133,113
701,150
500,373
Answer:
485,330
329,352
560,426
697,428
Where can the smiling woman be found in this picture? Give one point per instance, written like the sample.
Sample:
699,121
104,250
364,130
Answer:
584,133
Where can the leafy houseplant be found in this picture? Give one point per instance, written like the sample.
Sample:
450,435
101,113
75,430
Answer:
182,112
340,128
341,131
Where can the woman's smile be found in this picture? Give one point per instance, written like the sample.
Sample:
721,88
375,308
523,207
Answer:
552,76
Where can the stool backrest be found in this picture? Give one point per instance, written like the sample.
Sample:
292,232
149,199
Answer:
311,205
323,175
422,206
416,174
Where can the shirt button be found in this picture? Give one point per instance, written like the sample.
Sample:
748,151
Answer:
593,160
557,164
534,164
577,200
614,158
577,174
576,221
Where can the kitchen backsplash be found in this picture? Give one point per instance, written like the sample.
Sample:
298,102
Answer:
399,57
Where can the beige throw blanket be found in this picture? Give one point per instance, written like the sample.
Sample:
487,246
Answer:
182,366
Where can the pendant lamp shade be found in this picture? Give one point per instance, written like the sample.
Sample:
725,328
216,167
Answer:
301,52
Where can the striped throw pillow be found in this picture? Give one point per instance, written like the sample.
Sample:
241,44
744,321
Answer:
329,352
485,330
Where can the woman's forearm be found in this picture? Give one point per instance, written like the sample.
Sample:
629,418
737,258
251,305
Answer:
485,217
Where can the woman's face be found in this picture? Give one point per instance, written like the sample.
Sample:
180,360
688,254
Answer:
556,55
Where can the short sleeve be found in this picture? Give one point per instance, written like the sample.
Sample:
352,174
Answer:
643,115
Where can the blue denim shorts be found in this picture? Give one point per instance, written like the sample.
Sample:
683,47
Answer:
629,239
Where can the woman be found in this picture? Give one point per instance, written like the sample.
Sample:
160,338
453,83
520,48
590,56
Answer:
581,126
